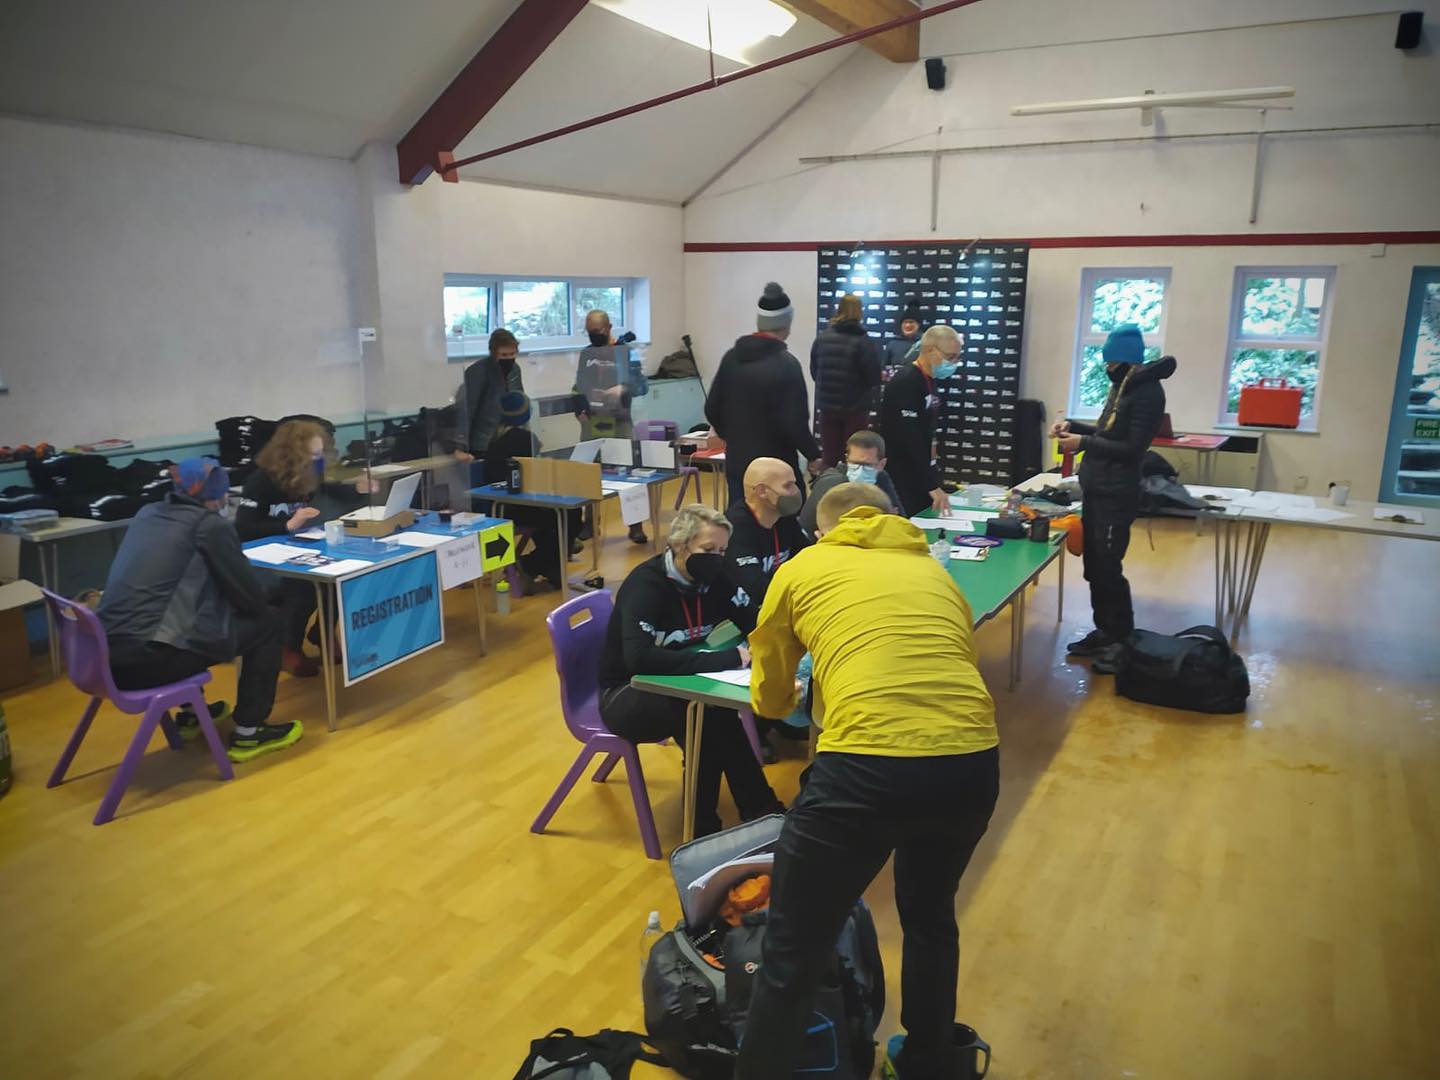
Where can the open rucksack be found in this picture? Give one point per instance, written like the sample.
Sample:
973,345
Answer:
1194,669
606,1055
695,1009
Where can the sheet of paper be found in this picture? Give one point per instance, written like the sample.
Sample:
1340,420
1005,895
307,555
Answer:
420,539
968,554
1205,491
1306,502
950,524
735,677
340,566
1384,512
1310,513
617,452
618,486
656,454
276,553
635,504
459,560
585,451
309,534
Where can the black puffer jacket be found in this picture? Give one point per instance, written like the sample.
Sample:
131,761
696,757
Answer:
845,364
1115,445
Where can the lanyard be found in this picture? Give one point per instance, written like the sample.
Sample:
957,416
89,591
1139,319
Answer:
775,535
698,620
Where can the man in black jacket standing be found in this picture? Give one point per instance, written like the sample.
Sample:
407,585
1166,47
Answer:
758,403
486,381
907,420
182,596
1110,481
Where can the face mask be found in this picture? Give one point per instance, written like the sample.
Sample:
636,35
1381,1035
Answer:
946,368
705,566
319,466
598,338
861,474
789,505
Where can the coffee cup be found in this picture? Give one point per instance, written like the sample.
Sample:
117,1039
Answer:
334,532
1340,492
973,1053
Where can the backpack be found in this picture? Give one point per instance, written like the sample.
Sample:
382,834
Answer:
1194,669
695,1011
607,1055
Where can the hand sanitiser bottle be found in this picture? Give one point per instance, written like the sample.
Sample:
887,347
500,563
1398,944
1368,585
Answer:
652,934
940,549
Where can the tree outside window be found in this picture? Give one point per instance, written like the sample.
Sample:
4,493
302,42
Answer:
534,309
1110,298
607,298
1277,332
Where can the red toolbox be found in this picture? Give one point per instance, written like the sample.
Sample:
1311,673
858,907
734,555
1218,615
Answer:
1270,403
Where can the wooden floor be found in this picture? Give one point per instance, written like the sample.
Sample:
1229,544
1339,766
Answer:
1161,895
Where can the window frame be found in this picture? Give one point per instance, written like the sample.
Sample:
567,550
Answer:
1235,342
1090,278
466,349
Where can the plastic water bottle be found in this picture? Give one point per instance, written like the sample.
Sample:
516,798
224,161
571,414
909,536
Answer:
652,934
502,596
940,549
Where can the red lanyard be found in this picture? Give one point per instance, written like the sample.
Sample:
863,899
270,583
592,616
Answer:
699,619
775,534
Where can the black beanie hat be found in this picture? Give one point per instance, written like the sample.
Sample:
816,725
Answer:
773,312
912,311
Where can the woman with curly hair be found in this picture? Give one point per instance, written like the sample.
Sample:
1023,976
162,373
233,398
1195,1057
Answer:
275,501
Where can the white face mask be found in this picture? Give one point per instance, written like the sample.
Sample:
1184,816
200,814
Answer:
861,474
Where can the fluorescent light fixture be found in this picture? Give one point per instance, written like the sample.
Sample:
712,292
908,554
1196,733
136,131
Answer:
736,25
1155,101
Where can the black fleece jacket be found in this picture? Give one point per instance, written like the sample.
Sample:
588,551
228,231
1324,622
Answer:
656,624
1116,443
759,405
907,420
755,552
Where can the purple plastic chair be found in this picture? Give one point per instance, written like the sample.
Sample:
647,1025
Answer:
669,431
577,633
87,660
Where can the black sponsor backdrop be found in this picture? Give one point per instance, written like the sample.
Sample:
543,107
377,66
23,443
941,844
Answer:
980,291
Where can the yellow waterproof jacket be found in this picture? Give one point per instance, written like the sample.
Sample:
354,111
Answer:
892,641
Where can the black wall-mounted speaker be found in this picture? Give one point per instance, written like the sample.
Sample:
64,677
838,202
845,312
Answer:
1407,33
935,71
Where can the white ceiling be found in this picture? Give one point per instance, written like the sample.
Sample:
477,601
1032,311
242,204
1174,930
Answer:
327,76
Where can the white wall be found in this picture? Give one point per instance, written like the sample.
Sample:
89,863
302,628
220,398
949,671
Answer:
1346,71
153,284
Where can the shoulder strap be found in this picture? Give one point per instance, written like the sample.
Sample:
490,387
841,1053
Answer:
1208,633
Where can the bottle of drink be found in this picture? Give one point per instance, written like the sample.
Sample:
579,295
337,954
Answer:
652,934
502,595
940,549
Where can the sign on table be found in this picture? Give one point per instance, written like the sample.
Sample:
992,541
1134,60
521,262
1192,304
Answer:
389,614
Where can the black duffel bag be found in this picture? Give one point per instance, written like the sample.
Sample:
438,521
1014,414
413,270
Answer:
1195,669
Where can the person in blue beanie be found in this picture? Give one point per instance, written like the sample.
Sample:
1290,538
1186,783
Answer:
1114,447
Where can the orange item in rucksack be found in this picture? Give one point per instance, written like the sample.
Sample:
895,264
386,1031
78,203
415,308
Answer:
752,894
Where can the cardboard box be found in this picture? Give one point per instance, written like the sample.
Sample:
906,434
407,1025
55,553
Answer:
368,521
16,667
553,476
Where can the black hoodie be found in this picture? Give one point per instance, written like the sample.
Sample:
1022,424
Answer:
907,420
755,552
1116,443
759,405
656,623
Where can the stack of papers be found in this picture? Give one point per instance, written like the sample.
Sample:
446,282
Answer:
968,554
276,553
1408,514
735,676
1204,491
1310,513
955,524
421,540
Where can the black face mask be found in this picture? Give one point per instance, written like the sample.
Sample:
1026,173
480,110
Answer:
506,363
704,567
598,338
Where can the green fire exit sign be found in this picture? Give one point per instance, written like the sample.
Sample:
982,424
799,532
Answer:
1427,429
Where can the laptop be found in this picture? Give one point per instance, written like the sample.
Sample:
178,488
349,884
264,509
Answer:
402,494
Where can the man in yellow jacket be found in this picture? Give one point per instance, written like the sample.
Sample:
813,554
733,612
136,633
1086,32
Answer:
907,763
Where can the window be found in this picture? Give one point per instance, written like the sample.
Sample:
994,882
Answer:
1108,298
1278,324
544,313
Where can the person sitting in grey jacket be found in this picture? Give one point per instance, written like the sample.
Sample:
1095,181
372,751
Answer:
182,596
864,464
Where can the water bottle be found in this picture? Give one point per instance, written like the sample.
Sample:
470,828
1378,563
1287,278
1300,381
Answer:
502,595
652,934
940,549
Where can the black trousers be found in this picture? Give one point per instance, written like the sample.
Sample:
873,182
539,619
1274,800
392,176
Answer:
1106,521
259,641
297,603
724,750
853,811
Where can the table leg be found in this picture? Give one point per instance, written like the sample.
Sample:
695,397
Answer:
596,537
1256,555
562,525
690,780
52,628
326,623
1219,526
1060,603
1018,659
479,590
653,490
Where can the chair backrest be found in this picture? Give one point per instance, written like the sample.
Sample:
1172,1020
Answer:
83,644
577,634
661,430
